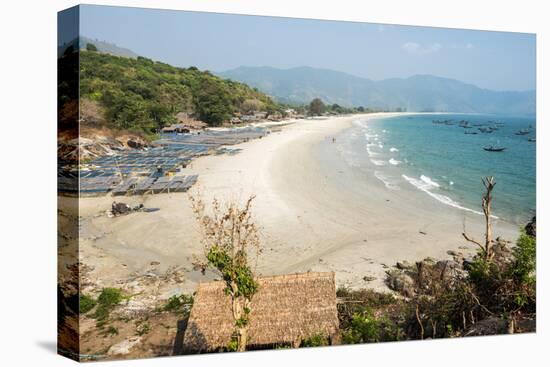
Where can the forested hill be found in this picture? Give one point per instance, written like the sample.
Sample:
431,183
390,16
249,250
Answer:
143,95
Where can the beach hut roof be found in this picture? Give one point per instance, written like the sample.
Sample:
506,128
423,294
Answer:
286,310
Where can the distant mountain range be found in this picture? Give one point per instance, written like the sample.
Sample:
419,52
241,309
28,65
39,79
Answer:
102,46
420,93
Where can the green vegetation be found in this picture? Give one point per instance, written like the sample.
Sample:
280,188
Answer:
230,237
316,107
367,316
144,95
493,293
316,340
108,299
484,297
110,331
525,253
233,344
365,327
86,303
91,47
179,304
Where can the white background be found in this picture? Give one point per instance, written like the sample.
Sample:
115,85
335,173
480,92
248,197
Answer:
28,54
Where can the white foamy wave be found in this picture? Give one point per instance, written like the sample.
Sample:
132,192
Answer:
377,162
426,187
371,136
393,150
429,181
386,180
371,153
380,146
451,183
395,162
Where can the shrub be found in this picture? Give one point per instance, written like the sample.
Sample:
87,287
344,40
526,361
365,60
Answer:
177,304
86,303
365,327
525,253
316,340
111,330
106,302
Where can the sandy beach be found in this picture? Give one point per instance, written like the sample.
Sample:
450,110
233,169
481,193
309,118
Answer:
315,212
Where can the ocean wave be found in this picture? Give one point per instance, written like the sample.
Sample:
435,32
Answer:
377,162
380,146
395,162
371,153
386,180
392,149
429,181
426,185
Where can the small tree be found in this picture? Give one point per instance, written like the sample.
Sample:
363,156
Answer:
489,183
250,105
316,107
230,238
91,47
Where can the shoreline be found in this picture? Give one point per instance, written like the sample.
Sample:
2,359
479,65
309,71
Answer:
315,213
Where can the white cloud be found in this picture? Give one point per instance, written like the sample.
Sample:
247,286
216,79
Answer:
416,48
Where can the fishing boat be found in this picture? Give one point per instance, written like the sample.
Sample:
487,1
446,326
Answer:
532,140
470,132
523,132
494,149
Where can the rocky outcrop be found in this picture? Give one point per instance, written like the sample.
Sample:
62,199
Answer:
531,227
400,282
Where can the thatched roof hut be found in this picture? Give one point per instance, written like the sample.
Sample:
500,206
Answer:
286,310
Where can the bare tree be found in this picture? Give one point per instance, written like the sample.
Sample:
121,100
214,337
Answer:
487,248
230,239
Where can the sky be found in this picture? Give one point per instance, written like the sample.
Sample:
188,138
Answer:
219,42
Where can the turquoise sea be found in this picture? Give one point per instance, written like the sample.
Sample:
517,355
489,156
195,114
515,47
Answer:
446,164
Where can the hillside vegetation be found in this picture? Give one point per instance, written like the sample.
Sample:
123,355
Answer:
143,95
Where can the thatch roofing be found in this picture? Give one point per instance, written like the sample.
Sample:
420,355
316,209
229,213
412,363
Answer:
286,310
